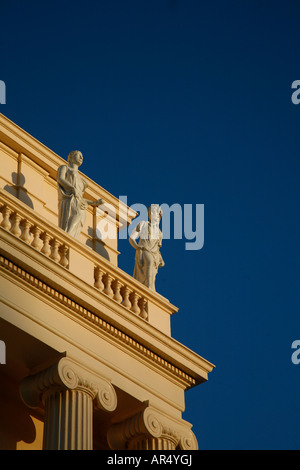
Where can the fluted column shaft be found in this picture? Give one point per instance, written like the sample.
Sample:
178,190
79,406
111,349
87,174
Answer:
68,420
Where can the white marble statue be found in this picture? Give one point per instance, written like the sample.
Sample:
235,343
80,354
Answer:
71,203
148,258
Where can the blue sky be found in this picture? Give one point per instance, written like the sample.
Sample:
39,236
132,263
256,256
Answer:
188,102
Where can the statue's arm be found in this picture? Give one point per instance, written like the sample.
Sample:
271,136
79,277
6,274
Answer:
94,203
87,202
160,239
161,261
133,236
61,178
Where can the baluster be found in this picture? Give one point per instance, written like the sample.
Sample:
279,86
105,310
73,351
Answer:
54,250
26,231
143,306
46,249
36,243
6,214
117,287
64,258
108,290
98,279
135,307
16,230
126,301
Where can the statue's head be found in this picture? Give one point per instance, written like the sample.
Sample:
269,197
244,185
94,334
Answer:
75,157
154,213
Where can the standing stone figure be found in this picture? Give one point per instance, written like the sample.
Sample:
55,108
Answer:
71,187
148,258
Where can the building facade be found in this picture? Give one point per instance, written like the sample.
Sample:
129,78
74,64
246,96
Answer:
87,357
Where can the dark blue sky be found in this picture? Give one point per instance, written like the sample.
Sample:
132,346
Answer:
188,102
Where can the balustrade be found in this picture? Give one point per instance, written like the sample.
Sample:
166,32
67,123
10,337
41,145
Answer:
33,234
36,233
117,290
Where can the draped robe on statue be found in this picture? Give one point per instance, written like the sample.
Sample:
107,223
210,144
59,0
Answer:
148,259
71,214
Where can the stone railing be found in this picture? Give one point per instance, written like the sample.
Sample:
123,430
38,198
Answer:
33,229
122,293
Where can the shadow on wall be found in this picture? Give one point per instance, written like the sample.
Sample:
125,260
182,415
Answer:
18,189
96,244
16,423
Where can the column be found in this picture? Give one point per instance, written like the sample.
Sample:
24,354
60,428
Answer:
152,429
69,393
68,420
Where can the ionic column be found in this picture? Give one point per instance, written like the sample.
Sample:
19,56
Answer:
69,393
150,429
68,420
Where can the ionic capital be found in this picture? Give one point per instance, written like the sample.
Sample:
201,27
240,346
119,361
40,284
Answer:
151,423
66,374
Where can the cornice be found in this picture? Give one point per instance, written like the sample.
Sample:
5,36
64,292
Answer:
114,333
117,323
